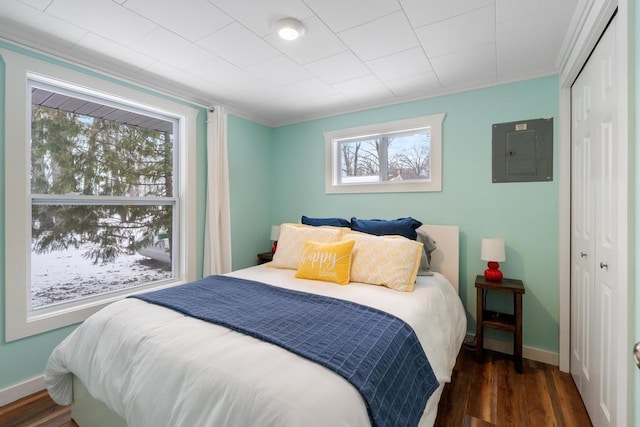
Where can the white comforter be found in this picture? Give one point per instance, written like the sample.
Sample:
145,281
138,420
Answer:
156,367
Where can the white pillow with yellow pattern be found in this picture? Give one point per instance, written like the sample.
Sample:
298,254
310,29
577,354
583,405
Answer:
292,239
389,261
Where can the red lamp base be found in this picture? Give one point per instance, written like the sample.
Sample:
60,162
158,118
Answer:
493,273
274,247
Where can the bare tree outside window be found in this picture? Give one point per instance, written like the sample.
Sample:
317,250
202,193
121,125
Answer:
397,156
392,157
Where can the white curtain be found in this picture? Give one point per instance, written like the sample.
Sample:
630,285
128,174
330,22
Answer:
217,239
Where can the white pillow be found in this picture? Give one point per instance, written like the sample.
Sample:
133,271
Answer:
390,261
292,239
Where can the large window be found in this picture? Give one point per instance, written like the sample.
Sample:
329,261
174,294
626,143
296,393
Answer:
398,156
102,196
99,180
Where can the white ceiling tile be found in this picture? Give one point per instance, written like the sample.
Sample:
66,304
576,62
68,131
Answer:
332,101
312,89
400,65
280,71
317,43
38,4
515,9
96,43
453,69
424,12
257,91
364,89
172,49
104,18
463,31
520,46
341,15
14,14
414,86
381,37
238,45
338,68
512,9
259,15
170,72
223,73
193,20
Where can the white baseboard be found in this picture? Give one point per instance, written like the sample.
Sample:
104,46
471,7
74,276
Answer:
20,390
531,353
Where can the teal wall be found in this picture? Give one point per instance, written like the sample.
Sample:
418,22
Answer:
525,214
250,185
26,358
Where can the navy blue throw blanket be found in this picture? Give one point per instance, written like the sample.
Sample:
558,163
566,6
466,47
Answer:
375,351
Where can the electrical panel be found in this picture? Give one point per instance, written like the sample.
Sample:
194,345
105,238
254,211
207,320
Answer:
522,151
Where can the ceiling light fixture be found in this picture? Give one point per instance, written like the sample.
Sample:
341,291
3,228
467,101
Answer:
289,28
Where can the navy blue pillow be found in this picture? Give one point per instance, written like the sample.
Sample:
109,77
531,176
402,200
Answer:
402,226
334,222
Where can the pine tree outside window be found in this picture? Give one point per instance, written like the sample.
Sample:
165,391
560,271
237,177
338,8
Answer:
102,196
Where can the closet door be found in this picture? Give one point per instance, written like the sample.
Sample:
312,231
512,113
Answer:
594,231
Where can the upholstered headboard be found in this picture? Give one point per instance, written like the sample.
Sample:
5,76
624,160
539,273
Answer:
446,258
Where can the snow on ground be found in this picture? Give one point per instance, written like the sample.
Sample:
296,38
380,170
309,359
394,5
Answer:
65,275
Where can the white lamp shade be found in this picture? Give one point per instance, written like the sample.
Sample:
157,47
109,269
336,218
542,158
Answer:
275,232
492,249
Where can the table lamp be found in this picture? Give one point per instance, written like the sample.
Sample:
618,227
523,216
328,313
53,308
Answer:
493,252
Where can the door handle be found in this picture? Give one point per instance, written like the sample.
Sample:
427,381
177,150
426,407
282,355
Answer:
583,255
603,265
636,354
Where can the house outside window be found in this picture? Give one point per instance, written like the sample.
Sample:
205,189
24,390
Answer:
399,156
100,194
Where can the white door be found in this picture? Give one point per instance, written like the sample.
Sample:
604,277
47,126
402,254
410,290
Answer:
594,229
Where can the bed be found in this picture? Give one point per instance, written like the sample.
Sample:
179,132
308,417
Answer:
141,364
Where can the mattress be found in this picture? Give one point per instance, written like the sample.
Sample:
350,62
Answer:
153,366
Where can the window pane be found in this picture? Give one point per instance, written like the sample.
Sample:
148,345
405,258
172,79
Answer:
84,250
396,156
83,147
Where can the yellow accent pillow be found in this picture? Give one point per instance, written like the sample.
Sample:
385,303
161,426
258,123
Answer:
292,239
389,261
330,262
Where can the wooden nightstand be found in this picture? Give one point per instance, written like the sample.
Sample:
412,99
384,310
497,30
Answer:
497,320
265,257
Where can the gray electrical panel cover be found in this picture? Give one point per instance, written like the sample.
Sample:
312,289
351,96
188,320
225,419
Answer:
523,151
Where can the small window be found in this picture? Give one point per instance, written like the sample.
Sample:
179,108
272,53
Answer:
399,156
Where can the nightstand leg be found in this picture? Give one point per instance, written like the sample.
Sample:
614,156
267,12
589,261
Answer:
517,342
479,328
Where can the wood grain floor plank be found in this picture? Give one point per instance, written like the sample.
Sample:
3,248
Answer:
573,410
511,398
484,390
539,407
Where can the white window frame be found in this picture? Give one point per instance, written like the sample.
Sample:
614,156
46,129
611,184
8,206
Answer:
20,321
332,157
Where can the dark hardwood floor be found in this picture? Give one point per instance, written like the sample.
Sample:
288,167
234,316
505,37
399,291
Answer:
36,410
487,394
494,394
